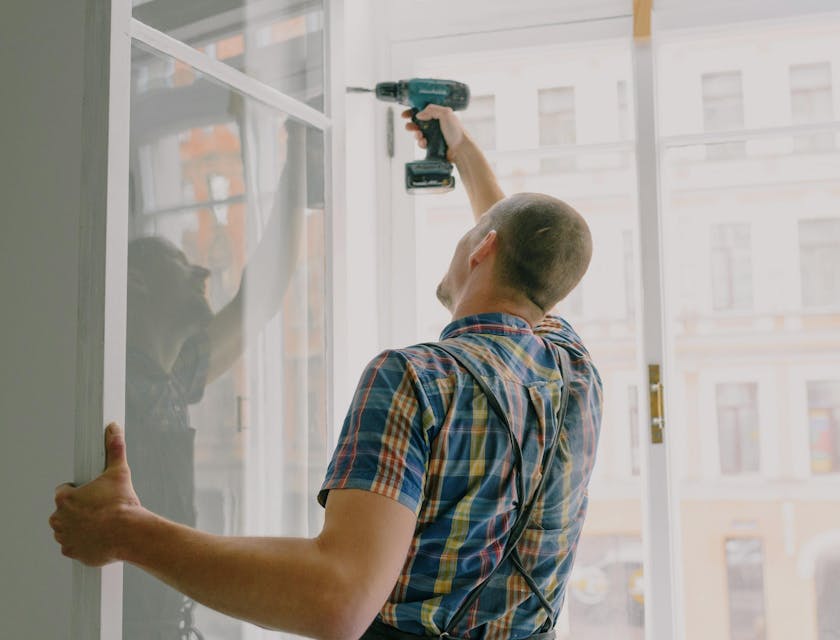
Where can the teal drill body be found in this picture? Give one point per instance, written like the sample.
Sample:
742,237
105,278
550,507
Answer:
434,173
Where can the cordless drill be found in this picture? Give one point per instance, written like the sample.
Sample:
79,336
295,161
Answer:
434,173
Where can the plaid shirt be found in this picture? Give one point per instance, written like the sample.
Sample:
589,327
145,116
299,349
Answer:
420,431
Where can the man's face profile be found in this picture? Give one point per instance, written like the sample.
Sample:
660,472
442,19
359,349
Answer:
167,289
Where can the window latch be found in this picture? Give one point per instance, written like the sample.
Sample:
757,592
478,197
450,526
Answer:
657,404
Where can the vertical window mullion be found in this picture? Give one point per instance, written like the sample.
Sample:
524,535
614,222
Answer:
662,605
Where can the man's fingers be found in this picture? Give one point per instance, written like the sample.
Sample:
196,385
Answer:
62,491
410,126
434,111
406,113
115,447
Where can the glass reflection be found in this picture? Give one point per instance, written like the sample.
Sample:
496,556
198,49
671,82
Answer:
225,387
279,43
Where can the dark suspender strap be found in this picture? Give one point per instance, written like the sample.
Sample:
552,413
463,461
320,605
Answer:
526,509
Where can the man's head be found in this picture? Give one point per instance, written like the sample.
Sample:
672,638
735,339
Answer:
166,293
529,248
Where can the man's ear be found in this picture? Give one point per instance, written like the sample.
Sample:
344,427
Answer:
486,247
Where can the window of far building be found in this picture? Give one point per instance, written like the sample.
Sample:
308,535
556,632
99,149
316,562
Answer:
723,110
824,425
557,125
480,120
738,430
812,101
731,267
745,588
819,257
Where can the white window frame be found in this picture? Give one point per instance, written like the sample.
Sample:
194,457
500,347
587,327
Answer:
97,610
664,584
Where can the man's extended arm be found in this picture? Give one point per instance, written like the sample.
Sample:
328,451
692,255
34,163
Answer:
270,268
479,180
328,587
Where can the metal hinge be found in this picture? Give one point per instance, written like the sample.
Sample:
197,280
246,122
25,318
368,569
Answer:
389,131
657,404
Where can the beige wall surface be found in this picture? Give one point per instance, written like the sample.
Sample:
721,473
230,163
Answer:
41,58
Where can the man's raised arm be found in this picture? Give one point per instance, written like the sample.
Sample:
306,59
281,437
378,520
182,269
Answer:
479,180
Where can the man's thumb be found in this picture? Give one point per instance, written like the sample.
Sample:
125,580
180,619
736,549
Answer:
115,447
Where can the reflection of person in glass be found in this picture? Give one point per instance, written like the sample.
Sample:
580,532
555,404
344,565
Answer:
428,491
176,345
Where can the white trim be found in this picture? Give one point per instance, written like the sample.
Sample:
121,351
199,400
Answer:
745,134
663,606
517,38
116,273
336,299
221,72
100,390
472,17
701,15
555,151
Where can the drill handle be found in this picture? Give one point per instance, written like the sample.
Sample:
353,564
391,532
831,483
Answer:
436,147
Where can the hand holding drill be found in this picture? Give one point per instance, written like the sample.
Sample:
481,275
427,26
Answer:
434,173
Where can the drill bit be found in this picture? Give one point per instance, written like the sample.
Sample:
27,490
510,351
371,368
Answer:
359,90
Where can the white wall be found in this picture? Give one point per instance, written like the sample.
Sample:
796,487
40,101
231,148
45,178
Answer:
41,61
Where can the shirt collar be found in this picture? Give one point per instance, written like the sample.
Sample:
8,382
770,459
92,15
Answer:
494,323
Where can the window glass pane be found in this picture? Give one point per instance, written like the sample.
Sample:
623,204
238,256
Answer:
750,426
605,591
557,125
819,260
824,425
625,113
751,75
731,266
812,100
225,379
723,110
745,589
480,120
633,423
552,98
280,43
738,432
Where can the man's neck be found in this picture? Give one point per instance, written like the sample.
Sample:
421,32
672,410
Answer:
475,305
161,347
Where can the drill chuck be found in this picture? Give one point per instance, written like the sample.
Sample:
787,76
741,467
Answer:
388,91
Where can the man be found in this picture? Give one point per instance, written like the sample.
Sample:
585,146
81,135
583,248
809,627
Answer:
422,491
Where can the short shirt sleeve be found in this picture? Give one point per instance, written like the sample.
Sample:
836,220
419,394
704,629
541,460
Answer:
190,369
383,447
